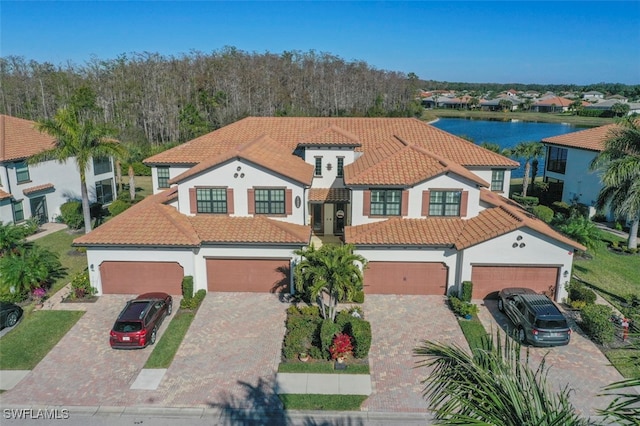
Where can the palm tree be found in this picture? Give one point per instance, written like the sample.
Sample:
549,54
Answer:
581,229
329,275
619,165
11,236
528,151
77,135
28,267
493,385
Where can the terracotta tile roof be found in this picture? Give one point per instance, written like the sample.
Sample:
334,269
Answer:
19,139
554,100
329,195
377,136
590,139
4,195
263,151
37,188
258,229
407,166
397,231
153,223
330,136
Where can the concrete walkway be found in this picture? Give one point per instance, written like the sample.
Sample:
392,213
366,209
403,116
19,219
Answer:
46,229
323,384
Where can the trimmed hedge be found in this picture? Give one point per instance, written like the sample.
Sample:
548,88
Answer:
187,287
467,291
596,321
195,301
71,213
360,330
328,329
526,201
543,213
462,308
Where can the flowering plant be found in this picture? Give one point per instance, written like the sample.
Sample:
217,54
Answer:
38,294
341,346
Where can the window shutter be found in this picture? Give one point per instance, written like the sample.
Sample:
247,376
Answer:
288,202
464,201
404,203
425,203
366,203
229,200
251,201
193,200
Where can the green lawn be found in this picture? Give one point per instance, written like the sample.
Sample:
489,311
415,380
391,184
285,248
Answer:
165,349
321,368
473,331
322,402
524,116
26,345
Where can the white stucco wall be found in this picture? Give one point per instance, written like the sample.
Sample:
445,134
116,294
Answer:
95,257
579,181
329,155
486,175
173,172
539,250
254,176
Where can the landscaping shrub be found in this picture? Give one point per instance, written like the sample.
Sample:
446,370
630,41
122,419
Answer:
313,310
328,329
358,297
462,308
187,287
582,293
71,213
560,207
117,207
194,302
30,226
340,346
360,330
543,213
139,169
526,201
597,324
301,332
467,291
81,286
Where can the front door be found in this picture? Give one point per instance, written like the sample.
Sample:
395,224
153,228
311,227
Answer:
39,209
317,218
340,219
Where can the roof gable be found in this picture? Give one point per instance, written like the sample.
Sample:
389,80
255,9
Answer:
19,139
331,135
589,139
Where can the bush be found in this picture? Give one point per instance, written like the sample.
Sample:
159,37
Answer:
71,213
341,346
525,201
597,323
462,308
81,286
117,207
187,287
328,329
561,207
194,302
580,293
360,330
467,291
30,226
139,169
543,213
358,297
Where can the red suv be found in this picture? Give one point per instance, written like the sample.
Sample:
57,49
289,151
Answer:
138,323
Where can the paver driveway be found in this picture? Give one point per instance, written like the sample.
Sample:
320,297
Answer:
580,364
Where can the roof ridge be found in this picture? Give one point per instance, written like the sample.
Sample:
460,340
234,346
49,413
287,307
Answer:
281,225
161,208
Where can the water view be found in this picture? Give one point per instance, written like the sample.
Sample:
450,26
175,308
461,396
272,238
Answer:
507,134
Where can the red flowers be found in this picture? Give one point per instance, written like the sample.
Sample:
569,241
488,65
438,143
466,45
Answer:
341,346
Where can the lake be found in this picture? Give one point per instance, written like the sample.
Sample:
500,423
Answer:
507,134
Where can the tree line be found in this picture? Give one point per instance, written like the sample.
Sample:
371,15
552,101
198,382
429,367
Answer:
157,100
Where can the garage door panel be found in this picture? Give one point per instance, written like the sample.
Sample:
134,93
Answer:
141,277
488,280
248,275
405,278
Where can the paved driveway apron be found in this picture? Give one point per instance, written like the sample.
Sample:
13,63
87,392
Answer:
580,364
399,324
82,369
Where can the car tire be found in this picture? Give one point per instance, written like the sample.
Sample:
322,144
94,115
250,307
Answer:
12,319
522,336
169,309
152,339
500,305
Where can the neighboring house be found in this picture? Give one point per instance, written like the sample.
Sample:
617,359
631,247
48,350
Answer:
552,104
634,107
39,190
494,104
592,95
426,208
567,165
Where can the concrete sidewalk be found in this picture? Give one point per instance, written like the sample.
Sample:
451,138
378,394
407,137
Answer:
46,229
323,384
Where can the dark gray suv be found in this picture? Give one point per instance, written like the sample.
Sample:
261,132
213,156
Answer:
537,319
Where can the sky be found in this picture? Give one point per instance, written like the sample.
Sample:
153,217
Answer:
545,42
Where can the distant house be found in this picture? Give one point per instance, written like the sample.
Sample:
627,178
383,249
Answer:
494,104
39,190
552,104
592,95
605,105
567,165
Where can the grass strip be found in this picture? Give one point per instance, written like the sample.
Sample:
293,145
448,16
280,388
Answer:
25,346
321,368
165,349
473,331
625,360
322,402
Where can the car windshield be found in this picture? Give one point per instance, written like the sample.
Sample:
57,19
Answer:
127,326
551,323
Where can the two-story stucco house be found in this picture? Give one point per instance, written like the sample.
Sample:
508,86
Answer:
38,190
567,167
426,209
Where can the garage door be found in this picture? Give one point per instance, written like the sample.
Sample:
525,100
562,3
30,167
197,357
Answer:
248,275
405,278
141,277
490,279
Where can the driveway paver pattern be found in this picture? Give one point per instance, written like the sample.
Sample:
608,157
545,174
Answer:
580,364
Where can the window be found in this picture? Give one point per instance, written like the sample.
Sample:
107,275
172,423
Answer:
444,203
18,211
163,177
340,167
497,180
318,169
386,202
22,172
211,200
101,165
270,201
557,161
104,191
